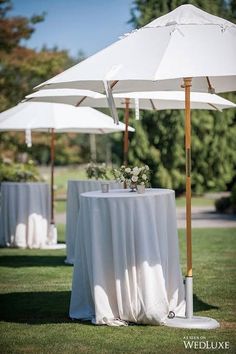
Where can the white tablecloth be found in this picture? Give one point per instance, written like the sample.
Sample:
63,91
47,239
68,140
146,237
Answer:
127,258
74,189
24,214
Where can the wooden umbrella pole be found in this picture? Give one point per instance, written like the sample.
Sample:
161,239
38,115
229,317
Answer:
126,135
52,174
187,86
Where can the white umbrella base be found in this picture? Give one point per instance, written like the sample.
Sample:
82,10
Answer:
195,322
52,236
68,261
57,246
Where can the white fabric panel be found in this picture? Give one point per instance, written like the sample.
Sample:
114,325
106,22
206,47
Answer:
24,214
74,189
127,258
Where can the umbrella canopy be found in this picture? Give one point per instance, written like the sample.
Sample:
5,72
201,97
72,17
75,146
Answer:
146,100
187,48
60,117
57,118
187,42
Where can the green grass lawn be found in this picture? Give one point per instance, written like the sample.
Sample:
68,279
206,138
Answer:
62,175
35,293
196,201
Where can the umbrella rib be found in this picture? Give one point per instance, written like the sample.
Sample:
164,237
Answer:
212,105
152,104
82,99
114,83
210,88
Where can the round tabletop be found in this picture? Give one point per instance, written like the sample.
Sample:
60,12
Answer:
126,193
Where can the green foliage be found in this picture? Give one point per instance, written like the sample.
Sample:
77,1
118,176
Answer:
10,172
13,30
159,137
158,142
21,69
97,171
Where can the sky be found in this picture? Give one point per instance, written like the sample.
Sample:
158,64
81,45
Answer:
87,25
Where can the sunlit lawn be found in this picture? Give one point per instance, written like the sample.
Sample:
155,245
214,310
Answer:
62,175
196,201
35,293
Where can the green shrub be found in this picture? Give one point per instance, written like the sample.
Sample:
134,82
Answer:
227,204
233,198
96,171
16,172
222,204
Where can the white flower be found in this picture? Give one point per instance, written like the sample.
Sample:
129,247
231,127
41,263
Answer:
144,177
134,178
136,171
128,170
147,167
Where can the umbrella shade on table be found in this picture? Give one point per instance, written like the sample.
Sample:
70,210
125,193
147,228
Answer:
59,118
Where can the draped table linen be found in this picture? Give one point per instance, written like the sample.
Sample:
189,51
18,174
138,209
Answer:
127,258
74,190
24,214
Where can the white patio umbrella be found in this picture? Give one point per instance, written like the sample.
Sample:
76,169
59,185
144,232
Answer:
57,118
187,48
187,42
143,100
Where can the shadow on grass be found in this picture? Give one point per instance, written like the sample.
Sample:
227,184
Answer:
32,261
35,307
50,307
199,305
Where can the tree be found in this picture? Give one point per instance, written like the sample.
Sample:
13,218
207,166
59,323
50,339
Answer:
21,69
213,133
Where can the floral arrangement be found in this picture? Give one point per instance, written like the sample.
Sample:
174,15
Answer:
133,176
97,171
